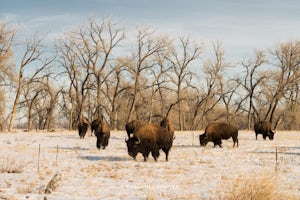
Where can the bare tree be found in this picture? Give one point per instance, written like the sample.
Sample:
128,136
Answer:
114,87
76,66
209,93
142,60
284,87
53,92
250,82
33,54
160,87
101,40
227,87
32,94
180,58
86,55
7,35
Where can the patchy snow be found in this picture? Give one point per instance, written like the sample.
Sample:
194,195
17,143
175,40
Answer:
29,161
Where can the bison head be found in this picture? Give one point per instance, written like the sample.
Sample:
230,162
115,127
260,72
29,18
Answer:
203,139
133,146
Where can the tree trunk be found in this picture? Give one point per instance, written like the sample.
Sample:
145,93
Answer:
15,105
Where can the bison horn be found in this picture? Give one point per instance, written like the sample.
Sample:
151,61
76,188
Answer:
138,141
174,137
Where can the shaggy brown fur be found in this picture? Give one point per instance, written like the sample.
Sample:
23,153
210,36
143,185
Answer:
215,132
149,138
83,126
103,134
94,125
131,126
264,128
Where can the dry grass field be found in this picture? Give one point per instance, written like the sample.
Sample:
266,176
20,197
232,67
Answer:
58,165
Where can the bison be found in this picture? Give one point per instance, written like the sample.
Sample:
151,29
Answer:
149,138
94,125
103,134
83,126
215,132
264,128
131,126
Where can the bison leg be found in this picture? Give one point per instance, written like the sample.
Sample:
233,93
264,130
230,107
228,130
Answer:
220,143
217,142
166,150
155,154
146,155
98,144
235,140
145,158
104,141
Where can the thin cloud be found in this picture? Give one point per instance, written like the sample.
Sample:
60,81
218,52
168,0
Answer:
240,25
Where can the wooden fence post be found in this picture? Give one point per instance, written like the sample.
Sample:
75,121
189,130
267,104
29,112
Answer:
276,158
38,169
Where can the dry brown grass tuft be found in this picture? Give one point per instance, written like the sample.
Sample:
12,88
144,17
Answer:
265,187
53,183
11,167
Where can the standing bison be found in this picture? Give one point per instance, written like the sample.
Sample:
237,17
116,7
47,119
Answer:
83,126
149,138
102,133
264,128
215,132
131,126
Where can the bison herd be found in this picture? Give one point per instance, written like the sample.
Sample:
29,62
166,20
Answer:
146,138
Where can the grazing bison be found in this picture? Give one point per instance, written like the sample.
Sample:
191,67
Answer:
102,133
131,126
215,132
94,125
264,128
149,138
83,126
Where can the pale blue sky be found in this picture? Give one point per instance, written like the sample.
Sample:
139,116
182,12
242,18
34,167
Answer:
240,25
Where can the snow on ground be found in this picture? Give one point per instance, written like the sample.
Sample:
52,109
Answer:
29,161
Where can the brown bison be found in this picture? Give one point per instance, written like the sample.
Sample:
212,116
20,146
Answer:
264,128
102,133
83,126
131,126
215,132
149,138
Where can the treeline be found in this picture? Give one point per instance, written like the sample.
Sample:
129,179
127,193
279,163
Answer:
100,69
